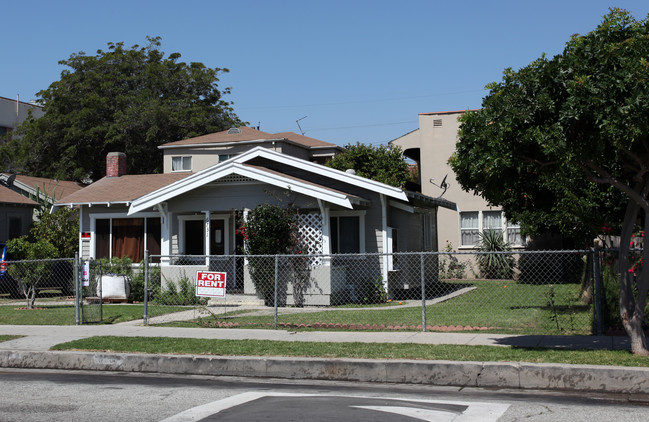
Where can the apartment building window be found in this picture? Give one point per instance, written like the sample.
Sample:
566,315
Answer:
472,223
492,220
181,163
513,234
469,228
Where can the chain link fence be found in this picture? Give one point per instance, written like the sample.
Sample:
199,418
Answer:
549,292
28,287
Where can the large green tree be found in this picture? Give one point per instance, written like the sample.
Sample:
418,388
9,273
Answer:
564,142
124,99
384,164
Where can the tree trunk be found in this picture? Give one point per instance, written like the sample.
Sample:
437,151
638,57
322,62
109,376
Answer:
631,314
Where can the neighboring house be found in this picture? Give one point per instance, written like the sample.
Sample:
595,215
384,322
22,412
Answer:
48,190
15,214
12,114
431,146
195,154
196,211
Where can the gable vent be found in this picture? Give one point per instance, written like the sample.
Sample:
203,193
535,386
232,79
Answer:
437,123
234,131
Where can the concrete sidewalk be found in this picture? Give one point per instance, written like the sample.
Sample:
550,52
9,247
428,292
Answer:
42,337
32,351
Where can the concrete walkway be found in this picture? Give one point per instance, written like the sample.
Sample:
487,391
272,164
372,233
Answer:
32,351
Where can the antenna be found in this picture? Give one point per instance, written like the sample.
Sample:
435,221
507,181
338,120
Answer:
442,185
298,124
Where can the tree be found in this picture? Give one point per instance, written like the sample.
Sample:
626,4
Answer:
34,264
572,132
54,235
126,100
384,164
272,230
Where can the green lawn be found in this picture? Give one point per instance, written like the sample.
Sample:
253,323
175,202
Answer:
64,314
352,350
498,306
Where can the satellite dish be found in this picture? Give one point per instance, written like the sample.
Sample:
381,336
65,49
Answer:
442,185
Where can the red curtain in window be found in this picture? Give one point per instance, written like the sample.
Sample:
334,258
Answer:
128,238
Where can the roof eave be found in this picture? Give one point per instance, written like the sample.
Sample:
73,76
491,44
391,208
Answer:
352,179
231,167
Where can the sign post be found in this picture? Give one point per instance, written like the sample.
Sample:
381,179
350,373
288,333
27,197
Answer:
210,284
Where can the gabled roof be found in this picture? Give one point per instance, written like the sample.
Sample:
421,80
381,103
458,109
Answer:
123,189
52,188
306,141
248,135
7,196
239,165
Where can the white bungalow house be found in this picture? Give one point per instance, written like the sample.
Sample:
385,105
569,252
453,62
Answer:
194,215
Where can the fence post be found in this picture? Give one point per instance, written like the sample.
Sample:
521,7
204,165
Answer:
423,292
276,284
145,317
598,291
76,288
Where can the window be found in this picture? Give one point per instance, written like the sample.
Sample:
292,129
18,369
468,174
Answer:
223,157
5,134
181,163
347,232
492,220
474,222
15,227
127,237
513,234
469,228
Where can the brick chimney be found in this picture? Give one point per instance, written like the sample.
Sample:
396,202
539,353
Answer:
115,164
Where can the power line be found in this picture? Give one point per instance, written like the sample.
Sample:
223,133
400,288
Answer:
360,101
362,126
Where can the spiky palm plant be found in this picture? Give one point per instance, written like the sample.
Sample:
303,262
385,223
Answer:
494,262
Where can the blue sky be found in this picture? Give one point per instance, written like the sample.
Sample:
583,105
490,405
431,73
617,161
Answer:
360,71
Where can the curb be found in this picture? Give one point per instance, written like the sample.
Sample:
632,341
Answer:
515,375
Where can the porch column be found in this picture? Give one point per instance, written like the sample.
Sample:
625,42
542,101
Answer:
207,237
165,233
326,233
384,240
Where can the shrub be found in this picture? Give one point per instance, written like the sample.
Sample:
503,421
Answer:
372,291
450,266
181,292
496,265
137,284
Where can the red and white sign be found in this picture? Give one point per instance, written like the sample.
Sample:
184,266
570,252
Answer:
210,284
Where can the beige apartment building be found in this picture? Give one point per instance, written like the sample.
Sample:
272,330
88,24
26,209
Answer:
430,147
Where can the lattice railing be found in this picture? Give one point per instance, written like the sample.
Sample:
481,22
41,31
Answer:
310,229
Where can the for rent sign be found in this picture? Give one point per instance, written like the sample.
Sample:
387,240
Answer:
210,284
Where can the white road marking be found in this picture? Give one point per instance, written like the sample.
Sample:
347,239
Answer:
413,412
475,412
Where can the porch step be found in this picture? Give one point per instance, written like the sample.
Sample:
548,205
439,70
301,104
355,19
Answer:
238,299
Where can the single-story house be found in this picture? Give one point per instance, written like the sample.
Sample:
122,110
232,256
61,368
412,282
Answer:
194,215
15,214
48,190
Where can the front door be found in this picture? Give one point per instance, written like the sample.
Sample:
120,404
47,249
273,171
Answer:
217,237
194,237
